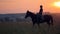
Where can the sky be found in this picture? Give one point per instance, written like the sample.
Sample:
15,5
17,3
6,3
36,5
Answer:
21,6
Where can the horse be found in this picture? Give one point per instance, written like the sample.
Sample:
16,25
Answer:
47,19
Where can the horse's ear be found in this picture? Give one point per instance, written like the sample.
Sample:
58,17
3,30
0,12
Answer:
27,10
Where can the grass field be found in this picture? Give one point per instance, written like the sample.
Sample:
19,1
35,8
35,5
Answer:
26,28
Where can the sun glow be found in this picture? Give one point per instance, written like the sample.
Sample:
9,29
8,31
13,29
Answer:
57,4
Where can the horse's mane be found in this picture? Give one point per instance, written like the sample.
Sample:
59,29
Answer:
32,13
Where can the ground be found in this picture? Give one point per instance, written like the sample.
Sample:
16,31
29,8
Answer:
26,28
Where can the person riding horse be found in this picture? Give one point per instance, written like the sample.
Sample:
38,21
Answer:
41,10
39,15
39,18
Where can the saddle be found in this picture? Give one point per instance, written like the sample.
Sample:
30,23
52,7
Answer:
39,17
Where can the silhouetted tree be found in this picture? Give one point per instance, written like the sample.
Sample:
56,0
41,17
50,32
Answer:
6,18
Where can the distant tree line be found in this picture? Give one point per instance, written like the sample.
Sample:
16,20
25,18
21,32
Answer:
9,19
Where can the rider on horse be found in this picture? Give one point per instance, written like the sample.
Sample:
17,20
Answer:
39,15
41,10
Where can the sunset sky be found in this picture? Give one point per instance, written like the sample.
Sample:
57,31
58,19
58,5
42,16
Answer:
21,6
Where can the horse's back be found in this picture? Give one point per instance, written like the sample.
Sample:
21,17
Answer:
47,17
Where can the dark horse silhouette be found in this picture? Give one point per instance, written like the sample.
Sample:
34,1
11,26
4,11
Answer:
47,18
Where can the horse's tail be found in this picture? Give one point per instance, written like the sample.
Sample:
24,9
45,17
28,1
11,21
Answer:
51,20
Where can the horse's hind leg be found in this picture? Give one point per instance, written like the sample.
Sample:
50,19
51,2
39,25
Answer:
33,24
48,26
38,25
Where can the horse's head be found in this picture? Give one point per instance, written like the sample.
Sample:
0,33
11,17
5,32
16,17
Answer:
27,14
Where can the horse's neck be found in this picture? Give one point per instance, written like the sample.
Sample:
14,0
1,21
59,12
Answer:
32,15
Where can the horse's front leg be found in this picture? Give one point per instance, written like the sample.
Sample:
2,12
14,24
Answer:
38,25
33,24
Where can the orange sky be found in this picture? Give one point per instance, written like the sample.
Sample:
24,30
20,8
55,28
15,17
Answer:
21,6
